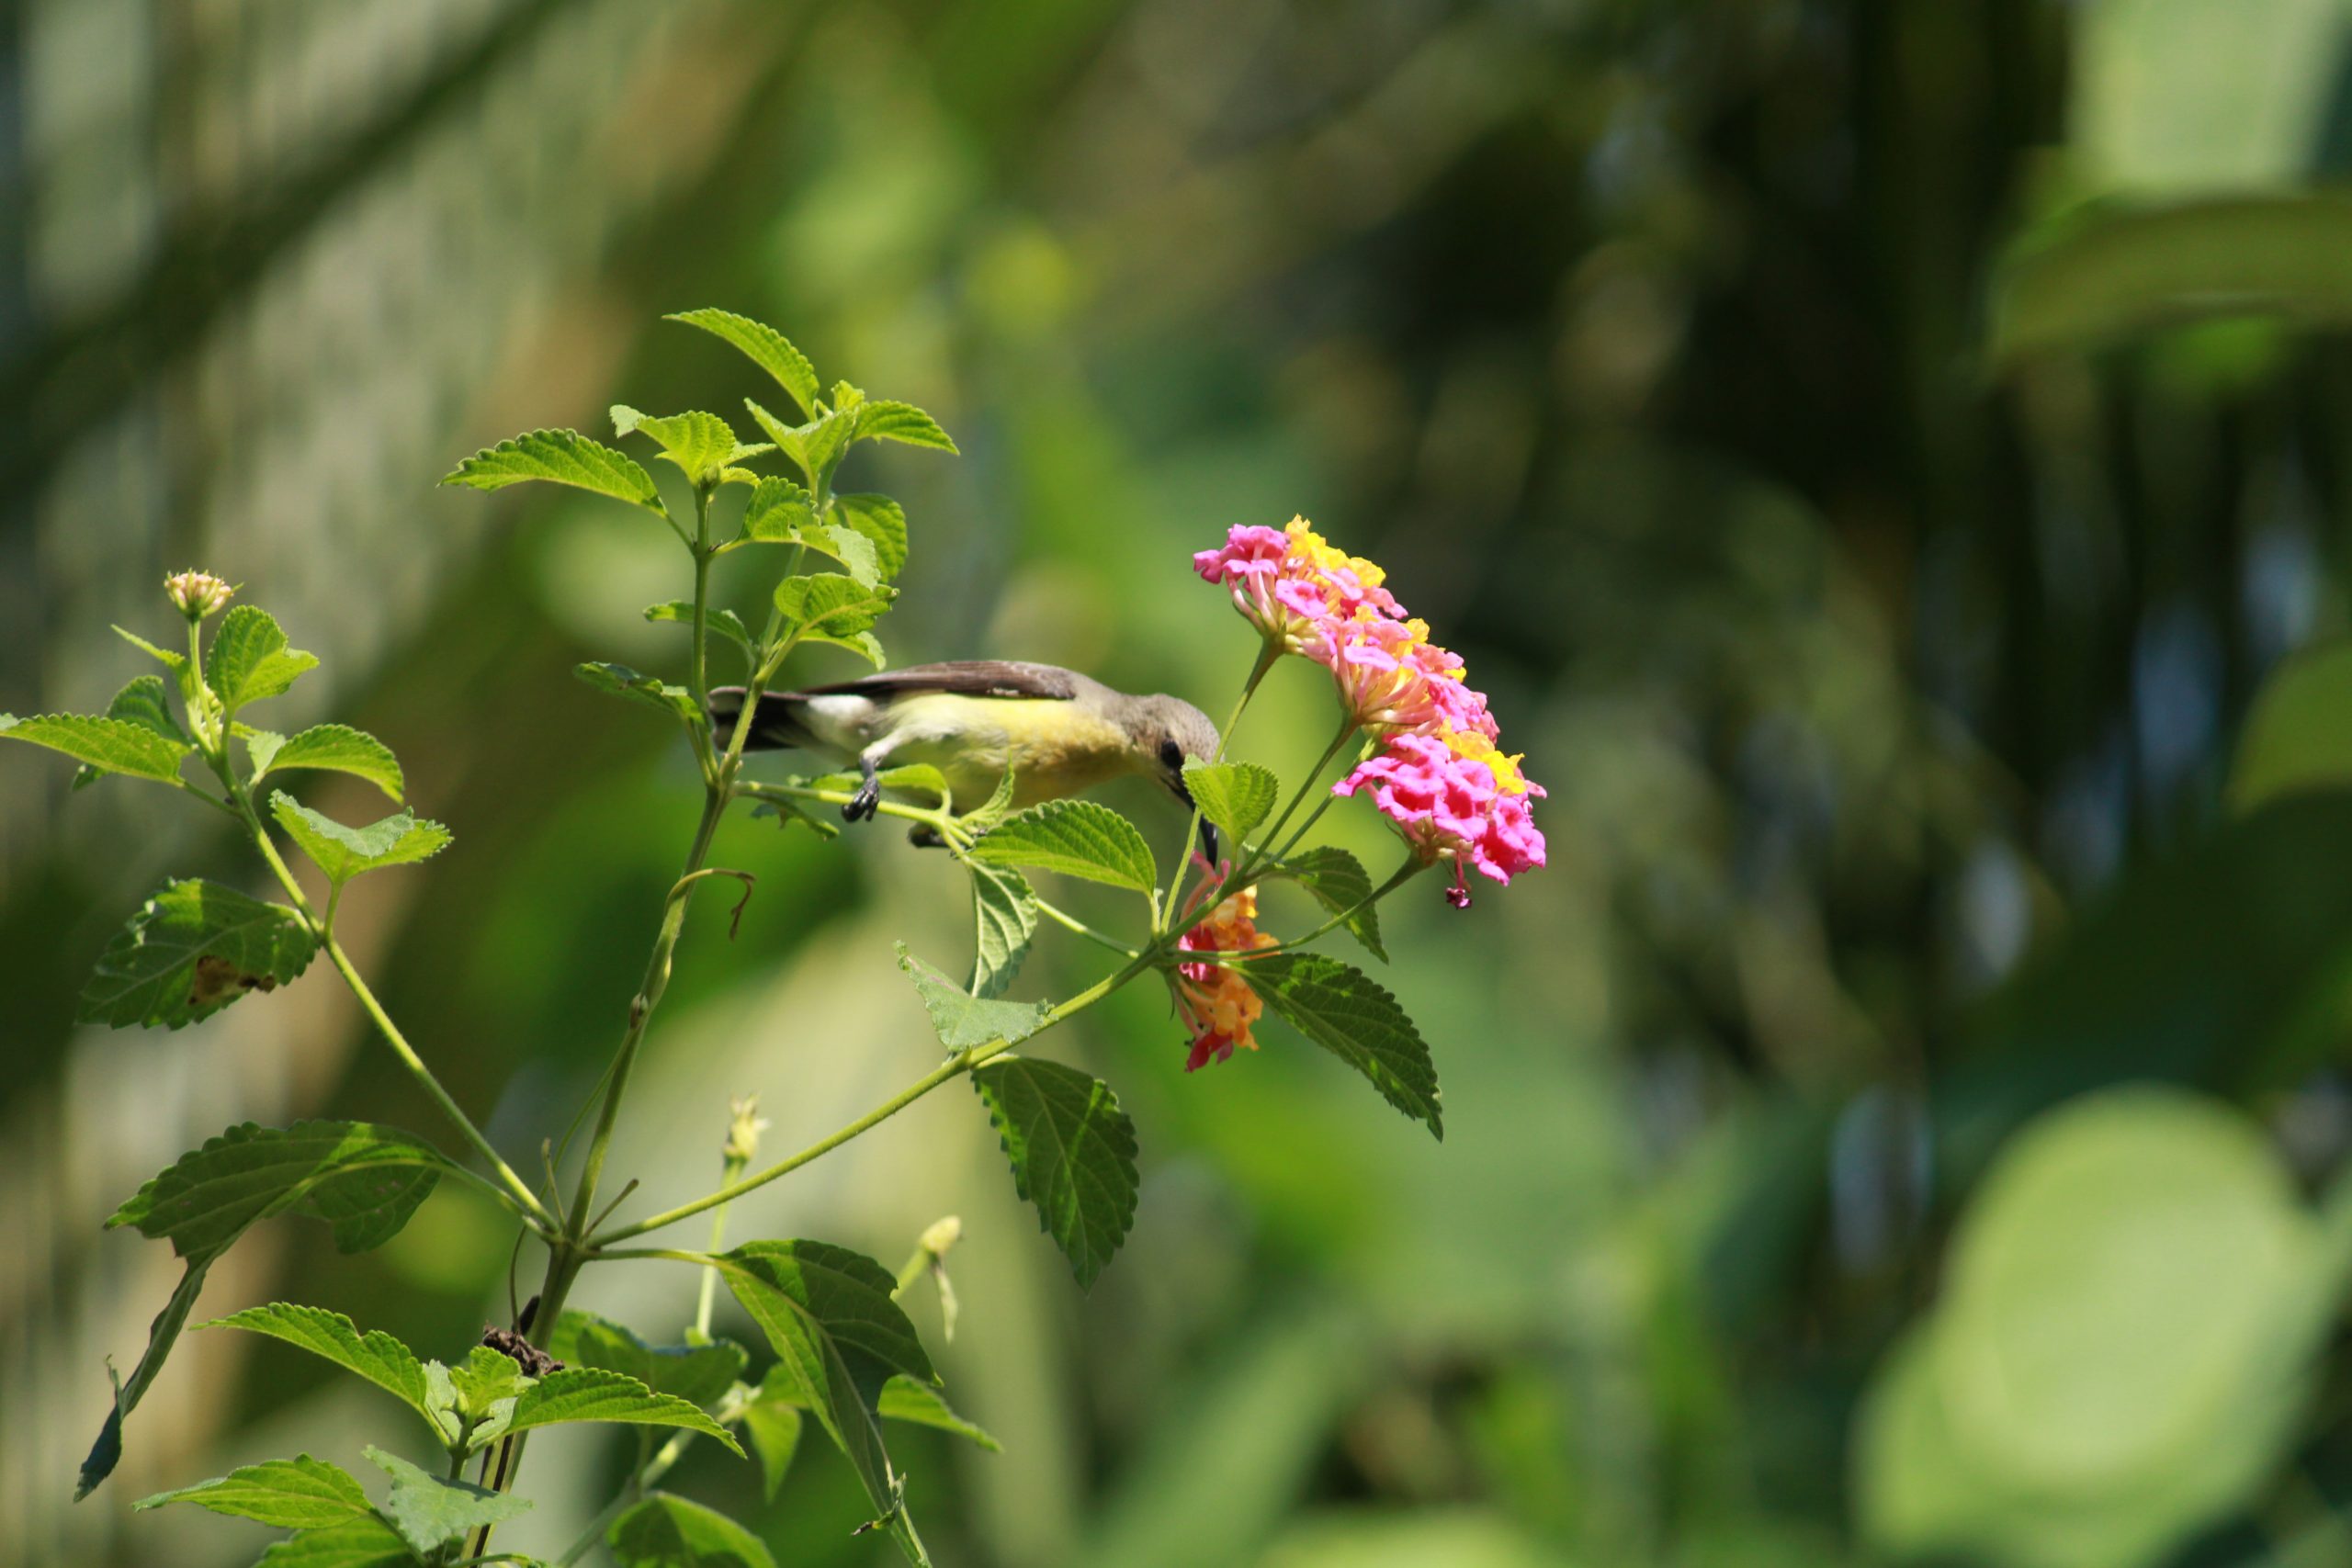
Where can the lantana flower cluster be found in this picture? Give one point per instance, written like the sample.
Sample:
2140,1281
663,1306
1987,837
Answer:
1439,776
1216,1004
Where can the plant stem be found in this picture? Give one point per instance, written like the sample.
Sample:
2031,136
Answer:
1405,873
1165,914
1347,728
1071,923
960,1063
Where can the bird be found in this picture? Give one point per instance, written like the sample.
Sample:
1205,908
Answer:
1060,732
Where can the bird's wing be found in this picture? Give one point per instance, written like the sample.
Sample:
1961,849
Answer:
963,677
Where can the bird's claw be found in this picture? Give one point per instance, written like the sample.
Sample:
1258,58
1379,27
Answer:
923,836
866,802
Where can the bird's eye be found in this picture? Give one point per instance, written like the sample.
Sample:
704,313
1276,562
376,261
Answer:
1171,756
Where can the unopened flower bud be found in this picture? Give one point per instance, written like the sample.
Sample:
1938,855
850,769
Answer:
942,1235
743,1130
196,594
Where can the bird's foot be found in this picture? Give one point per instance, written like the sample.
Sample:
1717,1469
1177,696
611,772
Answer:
866,802
923,836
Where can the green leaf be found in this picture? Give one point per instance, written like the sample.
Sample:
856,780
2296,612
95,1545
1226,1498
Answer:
778,510
772,1422
486,1380
849,547
2299,735
1235,796
593,1393
829,607
430,1511
1337,880
667,1531
903,1399
765,347
140,702
699,1374
363,1180
817,446
171,660
1076,838
362,1543
290,1494
788,812
882,521
375,1355
963,1020
828,1314
1073,1154
333,748
562,456
1004,910
190,951
345,852
700,444
2096,276
901,422
726,623
1343,1010
250,660
107,745
623,681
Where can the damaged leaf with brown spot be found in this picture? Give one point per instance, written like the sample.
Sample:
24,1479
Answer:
190,951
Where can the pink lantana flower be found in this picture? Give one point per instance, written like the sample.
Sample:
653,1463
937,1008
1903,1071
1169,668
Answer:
1216,1004
1453,796
1291,583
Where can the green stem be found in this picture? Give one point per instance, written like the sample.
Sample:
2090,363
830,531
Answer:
1070,922
955,1065
731,1171
1347,728
1163,915
1405,873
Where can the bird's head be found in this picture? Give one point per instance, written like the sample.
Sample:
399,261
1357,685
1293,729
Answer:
1166,733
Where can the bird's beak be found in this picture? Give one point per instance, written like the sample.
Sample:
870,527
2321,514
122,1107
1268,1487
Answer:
1208,830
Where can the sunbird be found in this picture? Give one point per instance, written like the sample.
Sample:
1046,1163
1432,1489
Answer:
1059,731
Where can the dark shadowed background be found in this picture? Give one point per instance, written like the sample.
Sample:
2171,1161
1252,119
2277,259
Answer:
1874,451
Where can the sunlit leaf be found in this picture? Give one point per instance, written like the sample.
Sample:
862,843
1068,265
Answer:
249,659
882,521
345,852
334,748
560,456
290,1494
963,1020
108,745
430,1511
375,1355
593,1393
779,509
1073,1154
623,681
766,347
190,951
1004,913
362,1543
832,606
888,420
1347,1012
1234,797
1076,838
700,444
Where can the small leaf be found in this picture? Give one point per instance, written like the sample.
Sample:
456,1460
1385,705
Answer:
333,748
882,521
817,446
788,812
667,1531
700,444
1337,880
726,623
849,547
773,1425
592,1394
171,660
765,347
776,513
430,1511
363,1179
903,1399
828,605
1235,796
486,1381
699,1374
140,702
190,951
1004,910
108,745
249,659
290,1494
345,852
1347,1012
562,456
901,422
964,1021
998,807
1075,838
1073,1154
623,681
375,1355
262,747
363,1543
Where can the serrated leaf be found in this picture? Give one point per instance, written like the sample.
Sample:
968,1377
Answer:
778,510
700,444
140,702
1073,1154
816,445
1076,838
849,547
698,1375
109,745
479,1387
998,806
362,1543
828,1314
1004,913
560,457
888,421
1337,880
301,1493
363,1180
903,1399
430,1511
882,521
623,681
345,852
726,623
963,1020
1347,1012
667,1531
330,747
828,605
788,812
190,951
593,1393
766,347
1234,797
250,660
261,748
773,1423
176,661
375,1355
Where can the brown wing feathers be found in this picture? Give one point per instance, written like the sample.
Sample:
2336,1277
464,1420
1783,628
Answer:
777,725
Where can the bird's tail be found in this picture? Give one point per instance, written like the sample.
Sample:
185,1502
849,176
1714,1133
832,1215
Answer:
776,724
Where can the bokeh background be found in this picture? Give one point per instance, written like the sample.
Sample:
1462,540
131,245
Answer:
1888,460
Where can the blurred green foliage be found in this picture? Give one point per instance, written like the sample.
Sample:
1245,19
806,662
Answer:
1874,451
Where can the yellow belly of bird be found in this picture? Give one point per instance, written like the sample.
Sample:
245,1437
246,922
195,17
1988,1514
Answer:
1054,748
